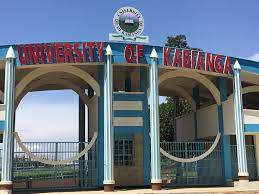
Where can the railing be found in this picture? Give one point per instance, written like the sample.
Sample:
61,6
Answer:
251,161
207,171
31,174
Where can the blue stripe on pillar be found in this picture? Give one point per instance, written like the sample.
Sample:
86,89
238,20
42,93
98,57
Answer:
146,138
2,125
100,161
225,141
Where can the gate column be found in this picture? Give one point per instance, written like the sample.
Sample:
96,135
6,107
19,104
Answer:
7,157
108,181
239,125
154,123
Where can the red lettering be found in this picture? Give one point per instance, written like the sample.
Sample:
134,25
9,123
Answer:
79,56
139,53
40,49
84,51
166,52
186,58
100,46
227,66
22,56
69,58
90,48
49,52
193,59
177,61
129,54
199,61
218,64
209,62
60,53
33,54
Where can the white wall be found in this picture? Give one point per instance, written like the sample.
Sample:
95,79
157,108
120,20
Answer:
228,114
93,116
251,116
185,127
207,121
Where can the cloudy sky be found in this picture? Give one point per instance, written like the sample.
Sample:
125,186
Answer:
228,27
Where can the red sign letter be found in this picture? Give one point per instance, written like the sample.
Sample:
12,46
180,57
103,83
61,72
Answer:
218,64
199,61
227,66
59,53
139,53
166,60
129,54
177,61
186,58
209,62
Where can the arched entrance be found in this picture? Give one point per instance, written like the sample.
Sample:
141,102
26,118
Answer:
62,164
194,156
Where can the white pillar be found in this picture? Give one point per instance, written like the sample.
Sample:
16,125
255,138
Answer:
154,123
239,124
108,127
7,157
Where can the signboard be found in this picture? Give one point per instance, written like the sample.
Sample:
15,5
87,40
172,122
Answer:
85,52
129,24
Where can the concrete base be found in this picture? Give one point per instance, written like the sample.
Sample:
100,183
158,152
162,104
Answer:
108,187
6,188
5,191
246,184
156,186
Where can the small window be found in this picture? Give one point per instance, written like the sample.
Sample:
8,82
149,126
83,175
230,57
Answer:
123,152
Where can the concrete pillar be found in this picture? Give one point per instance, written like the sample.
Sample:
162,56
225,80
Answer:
81,134
108,181
225,139
239,125
7,157
154,123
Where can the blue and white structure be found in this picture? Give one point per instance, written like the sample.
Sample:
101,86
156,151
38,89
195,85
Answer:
215,143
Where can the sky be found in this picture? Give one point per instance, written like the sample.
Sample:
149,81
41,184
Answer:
228,27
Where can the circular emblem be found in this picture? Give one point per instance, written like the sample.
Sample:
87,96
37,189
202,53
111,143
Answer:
128,21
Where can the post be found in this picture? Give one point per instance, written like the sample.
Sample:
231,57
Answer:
154,123
108,181
225,138
7,158
81,138
239,125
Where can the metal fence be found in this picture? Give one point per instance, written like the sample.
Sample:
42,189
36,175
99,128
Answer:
208,171
251,161
30,174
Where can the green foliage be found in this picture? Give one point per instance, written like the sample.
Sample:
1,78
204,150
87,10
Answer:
166,112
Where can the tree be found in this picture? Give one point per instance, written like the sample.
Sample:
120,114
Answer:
166,109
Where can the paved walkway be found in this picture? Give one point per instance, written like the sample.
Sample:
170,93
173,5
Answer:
211,190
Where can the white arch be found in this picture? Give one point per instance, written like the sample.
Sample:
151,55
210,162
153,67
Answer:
194,159
53,162
196,76
67,69
57,81
247,90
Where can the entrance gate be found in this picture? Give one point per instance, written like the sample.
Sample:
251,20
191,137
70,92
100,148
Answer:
30,174
207,171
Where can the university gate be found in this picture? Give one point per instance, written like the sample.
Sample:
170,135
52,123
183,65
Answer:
54,165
